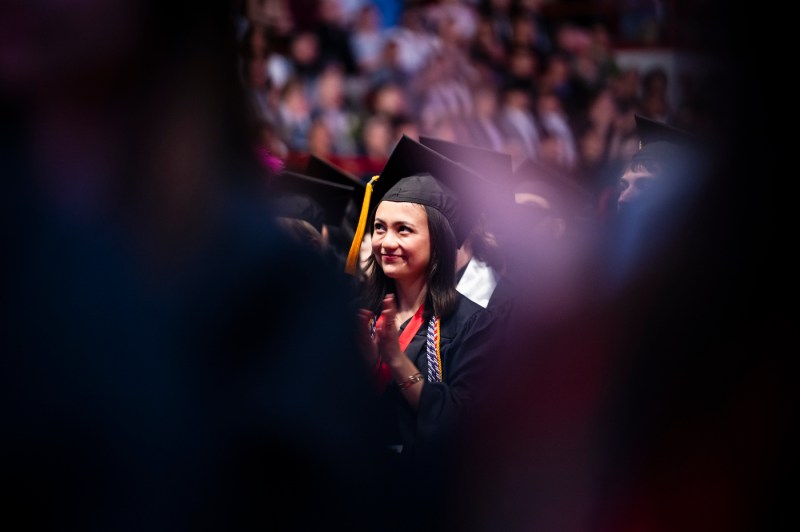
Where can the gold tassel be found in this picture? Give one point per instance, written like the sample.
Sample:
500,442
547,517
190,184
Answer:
355,247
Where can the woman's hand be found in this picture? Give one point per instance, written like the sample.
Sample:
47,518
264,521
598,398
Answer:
386,332
400,365
366,344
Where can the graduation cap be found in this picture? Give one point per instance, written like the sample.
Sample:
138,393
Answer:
327,171
415,173
496,166
662,142
559,190
314,200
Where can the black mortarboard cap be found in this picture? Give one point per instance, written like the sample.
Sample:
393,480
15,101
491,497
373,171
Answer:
496,166
557,188
662,142
452,188
327,171
417,174
314,200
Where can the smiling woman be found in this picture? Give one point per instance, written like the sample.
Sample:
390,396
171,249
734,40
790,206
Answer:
401,241
428,344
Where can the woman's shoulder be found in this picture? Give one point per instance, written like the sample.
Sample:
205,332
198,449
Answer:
466,311
467,319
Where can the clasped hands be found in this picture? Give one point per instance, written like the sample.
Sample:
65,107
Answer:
384,344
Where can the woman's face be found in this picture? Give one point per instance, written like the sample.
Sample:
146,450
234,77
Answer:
401,241
633,185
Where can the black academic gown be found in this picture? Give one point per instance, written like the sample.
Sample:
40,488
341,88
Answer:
502,304
430,436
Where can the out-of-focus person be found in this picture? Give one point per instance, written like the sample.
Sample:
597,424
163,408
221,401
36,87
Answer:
157,371
661,402
309,209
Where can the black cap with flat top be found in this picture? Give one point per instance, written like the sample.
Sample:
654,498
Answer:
316,201
663,142
327,171
496,166
556,187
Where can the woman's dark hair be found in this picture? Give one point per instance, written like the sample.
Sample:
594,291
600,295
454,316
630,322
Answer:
441,269
303,233
644,165
485,247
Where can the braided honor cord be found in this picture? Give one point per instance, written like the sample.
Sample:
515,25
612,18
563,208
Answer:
432,346
433,351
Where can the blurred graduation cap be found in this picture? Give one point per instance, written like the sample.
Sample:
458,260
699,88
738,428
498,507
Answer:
662,142
493,165
327,171
316,201
415,173
560,192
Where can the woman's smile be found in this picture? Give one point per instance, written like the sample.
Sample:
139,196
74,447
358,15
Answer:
391,258
400,239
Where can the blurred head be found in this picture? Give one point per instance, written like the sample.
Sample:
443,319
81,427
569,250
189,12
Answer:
330,88
486,103
377,136
543,217
523,63
331,12
390,100
515,97
304,48
320,140
304,233
637,183
667,156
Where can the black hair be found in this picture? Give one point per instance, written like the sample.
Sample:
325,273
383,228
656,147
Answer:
485,247
652,166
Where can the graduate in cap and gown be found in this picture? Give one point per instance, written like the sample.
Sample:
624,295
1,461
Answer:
665,151
429,345
340,236
667,171
308,209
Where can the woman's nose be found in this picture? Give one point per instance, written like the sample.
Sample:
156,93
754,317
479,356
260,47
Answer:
627,195
389,240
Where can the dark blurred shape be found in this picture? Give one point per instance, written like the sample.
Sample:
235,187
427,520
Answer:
662,401
493,166
322,169
662,141
340,236
489,164
558,188
171,360
314,200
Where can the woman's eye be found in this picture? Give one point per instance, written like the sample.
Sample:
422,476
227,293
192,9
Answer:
378,227
404,229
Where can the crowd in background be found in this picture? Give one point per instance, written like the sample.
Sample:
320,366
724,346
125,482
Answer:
344,80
